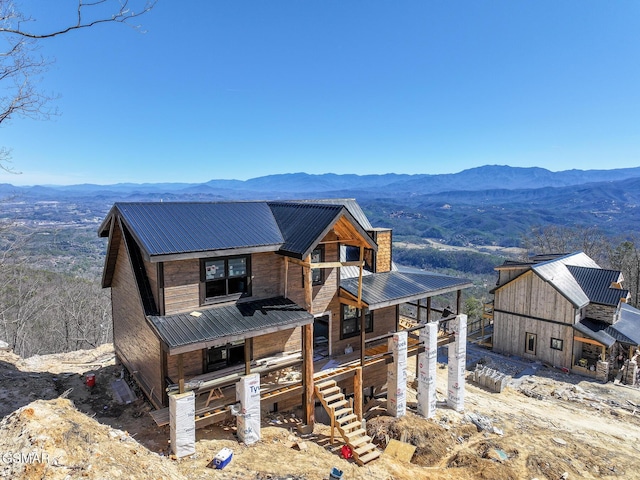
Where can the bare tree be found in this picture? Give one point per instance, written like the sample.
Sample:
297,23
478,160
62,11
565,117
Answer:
21,66
563,239
626,258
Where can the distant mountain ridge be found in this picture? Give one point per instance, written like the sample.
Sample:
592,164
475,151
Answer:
488,177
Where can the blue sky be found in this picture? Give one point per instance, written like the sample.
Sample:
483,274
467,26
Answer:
240,89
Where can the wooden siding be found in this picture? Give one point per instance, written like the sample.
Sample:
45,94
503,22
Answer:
135,344
191,363
531,296
383,256
152,275
509,336
182,281
509,274
274,343
384,321
521,307
181,286
267,275
324,294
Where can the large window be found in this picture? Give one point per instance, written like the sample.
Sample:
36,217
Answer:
350,321
317,274
226,278
530,343
225,356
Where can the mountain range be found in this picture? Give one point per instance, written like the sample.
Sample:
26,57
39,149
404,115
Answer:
491,204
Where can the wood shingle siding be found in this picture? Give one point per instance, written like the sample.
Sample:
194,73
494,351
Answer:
383,256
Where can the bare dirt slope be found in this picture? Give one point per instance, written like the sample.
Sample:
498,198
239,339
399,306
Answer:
546,425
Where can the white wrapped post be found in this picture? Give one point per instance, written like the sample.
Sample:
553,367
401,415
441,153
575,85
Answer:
397,376
182,421
427,362
248,394
457,363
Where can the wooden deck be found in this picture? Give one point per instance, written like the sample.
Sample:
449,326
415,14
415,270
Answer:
337,368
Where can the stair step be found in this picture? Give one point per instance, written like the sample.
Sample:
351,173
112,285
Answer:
351,426
356,433
359,441
326,384
368,457
337,396
330,390
347,418
342,411
367,447
339,403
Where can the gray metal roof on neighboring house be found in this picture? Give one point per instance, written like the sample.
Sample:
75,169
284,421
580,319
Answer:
627,328
596,284
173,228
392,288
596,330
223,324
555,272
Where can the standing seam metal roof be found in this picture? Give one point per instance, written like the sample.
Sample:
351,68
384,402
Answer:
555,272
391,288
179,227
222,324
302,224
596,284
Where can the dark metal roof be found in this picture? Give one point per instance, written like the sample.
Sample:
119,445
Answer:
596,284
556,273
392,288
350,203
596,330
227,323
303,224
173,228
627,328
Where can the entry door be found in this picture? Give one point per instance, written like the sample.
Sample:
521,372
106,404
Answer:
322,332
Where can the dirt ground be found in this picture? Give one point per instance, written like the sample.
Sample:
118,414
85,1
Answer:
545,425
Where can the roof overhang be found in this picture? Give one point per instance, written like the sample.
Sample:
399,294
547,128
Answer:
386,289
595,330
219,325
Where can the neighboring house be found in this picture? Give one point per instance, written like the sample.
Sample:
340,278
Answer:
206,292
566,311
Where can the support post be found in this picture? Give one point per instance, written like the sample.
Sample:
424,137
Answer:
180,373
357,393
248,348
308,292
308,374
459,302
428,309
362,336
286,277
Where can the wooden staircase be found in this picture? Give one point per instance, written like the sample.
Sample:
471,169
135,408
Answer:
346,421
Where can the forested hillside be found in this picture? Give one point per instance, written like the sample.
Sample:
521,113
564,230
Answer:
51,258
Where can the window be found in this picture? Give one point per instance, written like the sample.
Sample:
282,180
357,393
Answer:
530,343
226,277
350,321
317,274
225,356
556,343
